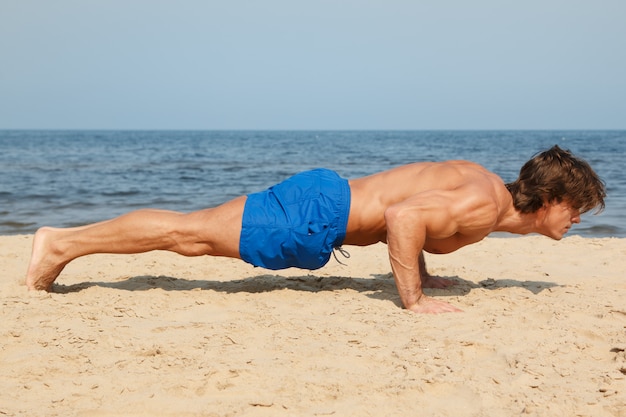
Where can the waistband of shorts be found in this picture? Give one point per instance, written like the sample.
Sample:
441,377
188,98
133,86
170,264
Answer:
343,207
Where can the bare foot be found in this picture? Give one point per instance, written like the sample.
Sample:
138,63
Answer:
45,262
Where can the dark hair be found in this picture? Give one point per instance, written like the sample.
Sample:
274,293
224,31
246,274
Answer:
557,175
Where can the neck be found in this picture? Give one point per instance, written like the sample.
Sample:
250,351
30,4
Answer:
512,221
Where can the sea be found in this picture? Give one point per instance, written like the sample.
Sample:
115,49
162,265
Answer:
68,178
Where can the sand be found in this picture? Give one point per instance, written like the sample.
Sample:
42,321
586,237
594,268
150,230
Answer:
543,333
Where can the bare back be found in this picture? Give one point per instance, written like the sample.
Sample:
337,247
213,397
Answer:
474,197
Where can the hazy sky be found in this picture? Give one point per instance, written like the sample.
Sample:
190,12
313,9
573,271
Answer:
317,64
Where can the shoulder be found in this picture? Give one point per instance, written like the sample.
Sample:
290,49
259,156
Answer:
478,204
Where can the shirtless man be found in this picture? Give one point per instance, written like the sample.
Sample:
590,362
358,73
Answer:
434,207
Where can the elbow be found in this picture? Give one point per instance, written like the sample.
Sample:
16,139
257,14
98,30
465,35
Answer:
396,216
390,215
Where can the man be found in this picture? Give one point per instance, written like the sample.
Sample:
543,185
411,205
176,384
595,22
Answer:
435,207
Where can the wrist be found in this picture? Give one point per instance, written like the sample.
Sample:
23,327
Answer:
413,301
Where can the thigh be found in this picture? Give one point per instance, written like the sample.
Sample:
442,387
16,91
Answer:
218,228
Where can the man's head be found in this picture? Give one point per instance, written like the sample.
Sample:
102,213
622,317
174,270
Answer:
554,176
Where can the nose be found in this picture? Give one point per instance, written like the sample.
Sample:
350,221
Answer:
576,217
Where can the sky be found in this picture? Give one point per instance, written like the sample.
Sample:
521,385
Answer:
318,64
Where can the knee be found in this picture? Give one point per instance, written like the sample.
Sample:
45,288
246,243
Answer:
209,232
187,238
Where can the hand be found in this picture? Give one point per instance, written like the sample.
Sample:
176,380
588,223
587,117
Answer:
428,281
430,305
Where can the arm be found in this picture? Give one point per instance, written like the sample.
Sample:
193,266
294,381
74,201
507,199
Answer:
422,265
408,224
430,281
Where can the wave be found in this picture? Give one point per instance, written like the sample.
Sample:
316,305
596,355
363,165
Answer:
601,230
60,177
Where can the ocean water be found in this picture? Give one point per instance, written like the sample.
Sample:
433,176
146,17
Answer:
67,178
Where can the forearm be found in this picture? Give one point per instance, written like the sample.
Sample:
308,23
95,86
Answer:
408,284
422,265
405,240
407,273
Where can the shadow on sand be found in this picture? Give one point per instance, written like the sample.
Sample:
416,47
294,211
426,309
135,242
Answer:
377,286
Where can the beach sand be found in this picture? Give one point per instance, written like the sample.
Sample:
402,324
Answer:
543,333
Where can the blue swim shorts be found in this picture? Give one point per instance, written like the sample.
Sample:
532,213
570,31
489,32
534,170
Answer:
296,223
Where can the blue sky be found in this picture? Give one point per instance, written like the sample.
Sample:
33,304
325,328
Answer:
289,64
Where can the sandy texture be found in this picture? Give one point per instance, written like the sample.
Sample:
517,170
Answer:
543,333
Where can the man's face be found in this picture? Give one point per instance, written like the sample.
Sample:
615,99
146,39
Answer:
557,218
